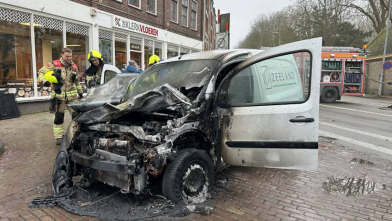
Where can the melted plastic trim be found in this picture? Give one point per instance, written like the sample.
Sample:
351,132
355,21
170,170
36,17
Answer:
280,145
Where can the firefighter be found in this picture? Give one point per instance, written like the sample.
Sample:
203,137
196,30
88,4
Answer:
62,75
153,59
94,72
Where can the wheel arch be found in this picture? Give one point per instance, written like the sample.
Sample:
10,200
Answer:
202,142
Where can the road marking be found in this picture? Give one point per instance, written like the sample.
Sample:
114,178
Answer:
357,142
357,131
368,112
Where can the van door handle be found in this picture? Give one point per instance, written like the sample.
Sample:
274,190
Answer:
301,120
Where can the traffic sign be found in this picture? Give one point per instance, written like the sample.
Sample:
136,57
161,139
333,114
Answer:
387,65
222,40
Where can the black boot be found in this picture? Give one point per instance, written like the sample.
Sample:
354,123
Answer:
58,141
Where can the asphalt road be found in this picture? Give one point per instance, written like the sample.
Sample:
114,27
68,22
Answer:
360,123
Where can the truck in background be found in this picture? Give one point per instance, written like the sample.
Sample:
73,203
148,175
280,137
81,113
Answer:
342,73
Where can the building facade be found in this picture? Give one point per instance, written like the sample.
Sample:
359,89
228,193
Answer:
209,23
33,33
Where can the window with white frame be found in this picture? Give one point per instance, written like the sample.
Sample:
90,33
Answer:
174,11
152,6
194,15
134,3
184,13
206,42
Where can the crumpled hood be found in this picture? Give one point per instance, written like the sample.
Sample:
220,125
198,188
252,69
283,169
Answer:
109,93
157,98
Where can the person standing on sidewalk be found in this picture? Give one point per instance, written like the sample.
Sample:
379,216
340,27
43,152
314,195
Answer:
68,89
132,68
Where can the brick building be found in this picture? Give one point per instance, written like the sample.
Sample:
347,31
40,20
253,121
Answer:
122,30
209,23
374,64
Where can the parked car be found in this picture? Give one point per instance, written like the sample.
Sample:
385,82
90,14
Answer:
181,117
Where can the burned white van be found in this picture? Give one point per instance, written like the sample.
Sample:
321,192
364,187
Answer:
179,119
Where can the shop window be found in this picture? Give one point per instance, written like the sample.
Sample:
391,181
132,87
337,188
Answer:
184,13
48,44
135,50
194,15
134,3
174,11
152,6
184,51
105,45
135,44
172,51
120,51
77,38
148,51
16,74
158,49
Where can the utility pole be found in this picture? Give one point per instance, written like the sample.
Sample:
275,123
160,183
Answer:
385,49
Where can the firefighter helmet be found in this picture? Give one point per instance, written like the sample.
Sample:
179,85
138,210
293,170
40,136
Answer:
153,59
50,77
94,54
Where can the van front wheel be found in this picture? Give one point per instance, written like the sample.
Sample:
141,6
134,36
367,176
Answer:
189,178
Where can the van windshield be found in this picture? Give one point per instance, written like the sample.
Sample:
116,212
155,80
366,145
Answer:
179,74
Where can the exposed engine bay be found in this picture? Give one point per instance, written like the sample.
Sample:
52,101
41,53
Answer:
127,150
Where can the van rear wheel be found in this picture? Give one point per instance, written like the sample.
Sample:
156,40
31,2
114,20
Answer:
189,178
329,95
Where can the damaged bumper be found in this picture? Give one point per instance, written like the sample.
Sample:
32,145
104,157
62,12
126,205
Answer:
110,165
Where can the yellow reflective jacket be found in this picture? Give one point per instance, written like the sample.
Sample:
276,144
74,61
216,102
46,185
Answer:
71,86
96,77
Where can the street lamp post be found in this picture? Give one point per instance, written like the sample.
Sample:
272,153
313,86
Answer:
385,50
276,32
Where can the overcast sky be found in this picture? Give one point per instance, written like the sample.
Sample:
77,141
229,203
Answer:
243,12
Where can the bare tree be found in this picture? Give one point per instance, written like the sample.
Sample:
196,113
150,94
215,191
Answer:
331,19
375,10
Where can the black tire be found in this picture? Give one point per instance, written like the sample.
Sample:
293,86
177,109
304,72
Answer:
62,174
189,178
329,95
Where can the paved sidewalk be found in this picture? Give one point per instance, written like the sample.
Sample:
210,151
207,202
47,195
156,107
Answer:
252,193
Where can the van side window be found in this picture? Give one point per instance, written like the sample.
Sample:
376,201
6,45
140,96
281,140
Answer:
109,75
283,79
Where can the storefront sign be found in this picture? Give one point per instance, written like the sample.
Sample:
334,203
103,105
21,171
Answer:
16,83
135,47
134,26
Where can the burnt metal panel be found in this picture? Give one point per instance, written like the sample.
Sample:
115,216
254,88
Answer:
111,92
104,165
158,98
